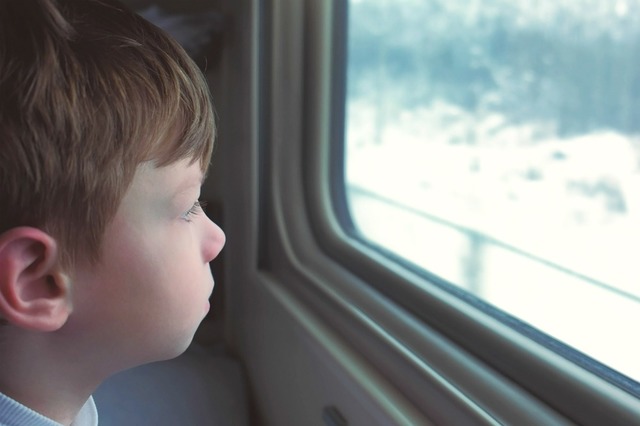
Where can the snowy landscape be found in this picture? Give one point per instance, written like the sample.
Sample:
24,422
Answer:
475,153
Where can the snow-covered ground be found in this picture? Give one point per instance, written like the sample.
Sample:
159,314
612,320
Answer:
546,228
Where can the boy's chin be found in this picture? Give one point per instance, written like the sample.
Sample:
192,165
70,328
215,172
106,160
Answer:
178,349
168,351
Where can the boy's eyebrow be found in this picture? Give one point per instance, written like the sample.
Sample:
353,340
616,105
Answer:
192,181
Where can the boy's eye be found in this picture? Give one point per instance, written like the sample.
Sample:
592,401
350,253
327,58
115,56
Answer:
197,208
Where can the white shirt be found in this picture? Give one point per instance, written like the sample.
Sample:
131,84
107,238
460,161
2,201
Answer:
12,413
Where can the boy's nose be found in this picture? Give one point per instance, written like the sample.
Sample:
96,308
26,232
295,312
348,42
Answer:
214,241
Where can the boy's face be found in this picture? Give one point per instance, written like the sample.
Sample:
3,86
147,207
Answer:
145,298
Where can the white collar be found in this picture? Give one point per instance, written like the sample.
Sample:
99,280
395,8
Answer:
14,413
88,414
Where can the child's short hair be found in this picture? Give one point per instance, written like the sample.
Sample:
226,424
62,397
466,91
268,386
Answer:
88,91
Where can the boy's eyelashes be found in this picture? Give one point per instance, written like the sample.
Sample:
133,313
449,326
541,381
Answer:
198,207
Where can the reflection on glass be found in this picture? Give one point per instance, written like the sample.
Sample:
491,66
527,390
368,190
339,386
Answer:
496,144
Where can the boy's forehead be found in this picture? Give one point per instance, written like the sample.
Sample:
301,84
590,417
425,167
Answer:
175,177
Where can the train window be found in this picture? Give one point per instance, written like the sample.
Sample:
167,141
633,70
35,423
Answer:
496,146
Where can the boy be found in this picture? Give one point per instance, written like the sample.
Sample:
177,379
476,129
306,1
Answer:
106,131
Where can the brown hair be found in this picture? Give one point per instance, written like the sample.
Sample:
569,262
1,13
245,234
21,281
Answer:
88,91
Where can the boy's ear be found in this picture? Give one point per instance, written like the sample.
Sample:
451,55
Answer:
34,291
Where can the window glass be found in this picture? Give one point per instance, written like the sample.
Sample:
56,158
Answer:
496,145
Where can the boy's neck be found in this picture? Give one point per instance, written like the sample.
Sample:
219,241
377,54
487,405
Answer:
36,375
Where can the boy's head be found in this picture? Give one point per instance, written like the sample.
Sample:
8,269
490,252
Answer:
106,131
88,92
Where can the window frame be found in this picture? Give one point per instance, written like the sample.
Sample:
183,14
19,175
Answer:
443,354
